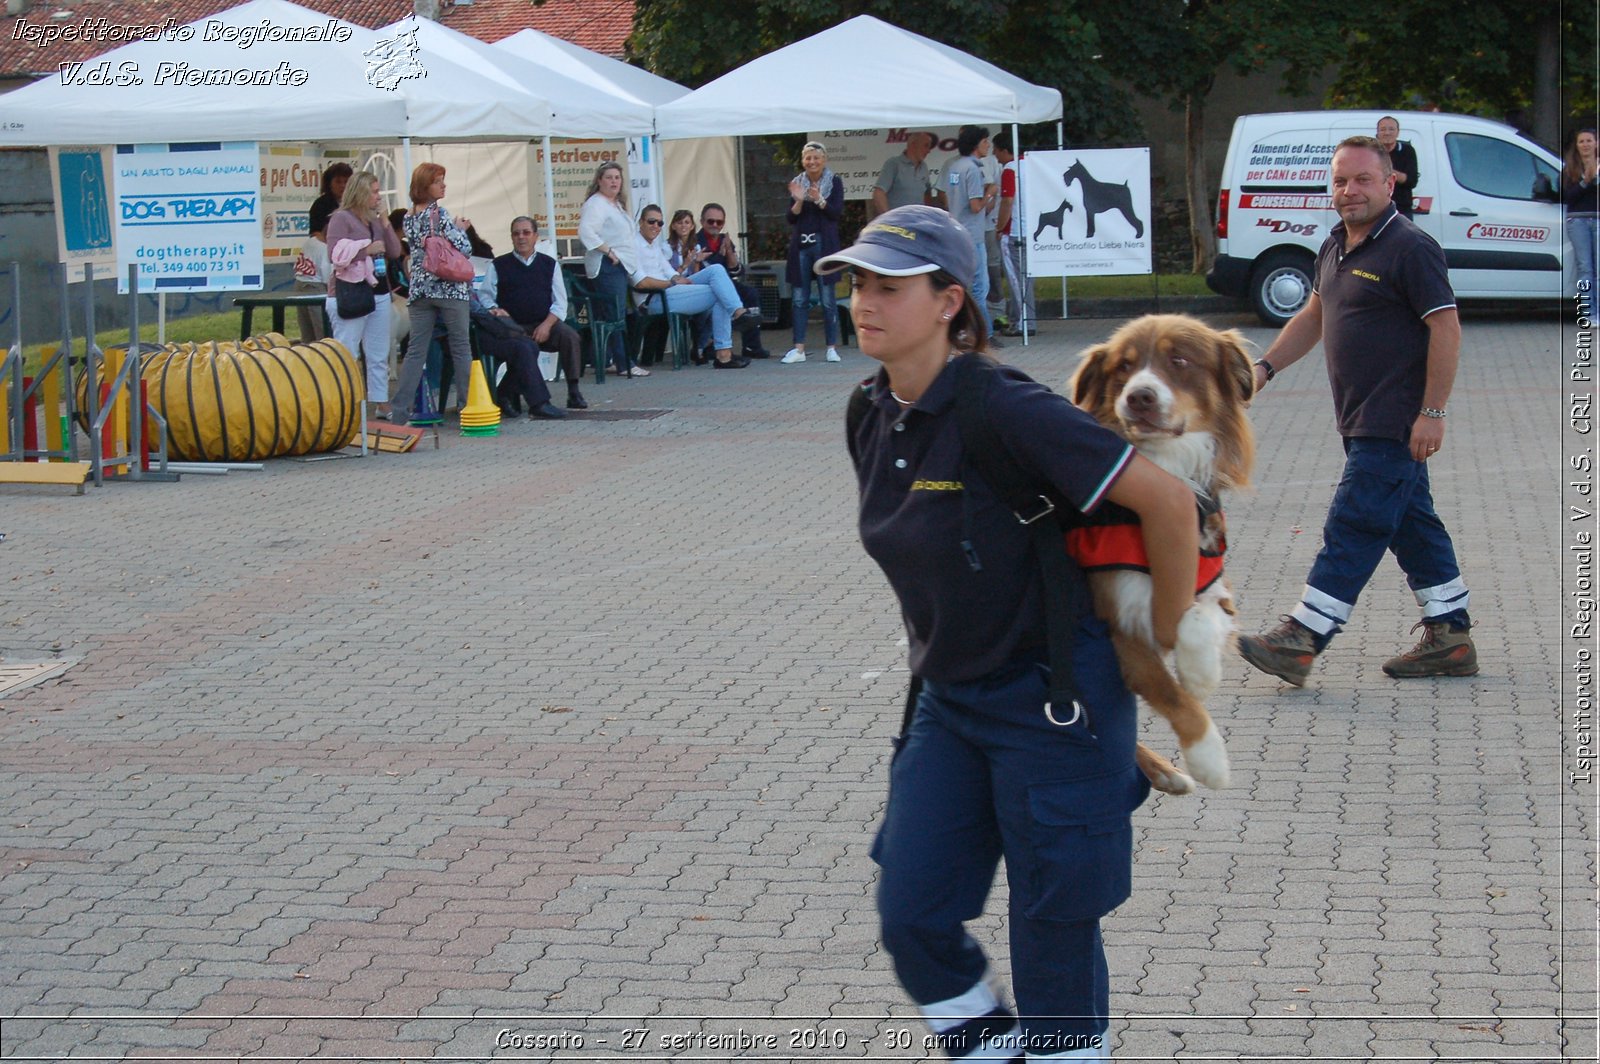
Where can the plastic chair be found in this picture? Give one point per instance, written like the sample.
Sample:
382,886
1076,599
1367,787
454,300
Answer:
680,329
582,301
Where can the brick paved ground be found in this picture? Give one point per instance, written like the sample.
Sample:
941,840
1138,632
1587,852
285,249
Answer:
587,725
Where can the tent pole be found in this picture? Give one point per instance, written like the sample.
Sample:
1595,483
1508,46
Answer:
550,196
405,155
1061,145
1016,213
658,168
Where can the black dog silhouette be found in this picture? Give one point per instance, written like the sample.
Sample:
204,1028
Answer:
1101,196
1055,217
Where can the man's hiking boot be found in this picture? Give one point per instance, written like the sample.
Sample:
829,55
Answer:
1442,651
1286,652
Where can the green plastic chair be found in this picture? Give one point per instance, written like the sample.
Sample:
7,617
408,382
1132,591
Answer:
680,329
582,301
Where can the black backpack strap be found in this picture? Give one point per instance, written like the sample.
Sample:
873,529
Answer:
1032,505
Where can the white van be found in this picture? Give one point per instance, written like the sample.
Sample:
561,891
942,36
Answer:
1487,194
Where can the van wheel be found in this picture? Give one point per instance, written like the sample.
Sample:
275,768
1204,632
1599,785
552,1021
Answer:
1280,285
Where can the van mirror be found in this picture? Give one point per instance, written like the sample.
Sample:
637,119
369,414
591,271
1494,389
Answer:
1544,189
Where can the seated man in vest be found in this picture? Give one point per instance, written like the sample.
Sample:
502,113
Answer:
525,288
720,250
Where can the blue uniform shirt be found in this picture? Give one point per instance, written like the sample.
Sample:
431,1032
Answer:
962,623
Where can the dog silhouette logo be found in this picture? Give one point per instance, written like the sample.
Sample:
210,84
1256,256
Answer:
1098,198
1054,218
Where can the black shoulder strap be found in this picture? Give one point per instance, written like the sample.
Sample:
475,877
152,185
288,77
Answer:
1031,504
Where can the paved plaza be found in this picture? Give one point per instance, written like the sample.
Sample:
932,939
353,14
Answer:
569,744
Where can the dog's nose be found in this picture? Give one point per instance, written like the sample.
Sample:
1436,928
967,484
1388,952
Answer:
1142,400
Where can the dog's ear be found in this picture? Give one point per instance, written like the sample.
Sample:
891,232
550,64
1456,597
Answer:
1238,371
1090,378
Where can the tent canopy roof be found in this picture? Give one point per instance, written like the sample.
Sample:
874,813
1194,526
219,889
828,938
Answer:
876,75
334,102
581,105
590,67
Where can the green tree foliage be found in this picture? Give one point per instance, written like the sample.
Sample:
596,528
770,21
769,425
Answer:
1478,58
1173,49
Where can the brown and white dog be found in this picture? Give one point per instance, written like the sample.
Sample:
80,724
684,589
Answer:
1177,390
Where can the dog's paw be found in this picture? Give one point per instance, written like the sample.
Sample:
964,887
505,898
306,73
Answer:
1162,774
1173,782
1202,632
1207,759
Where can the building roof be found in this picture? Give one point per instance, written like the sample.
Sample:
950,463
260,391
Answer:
600,25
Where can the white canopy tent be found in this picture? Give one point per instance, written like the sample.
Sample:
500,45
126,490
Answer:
876,74
863,72
578,108
334,102
591,68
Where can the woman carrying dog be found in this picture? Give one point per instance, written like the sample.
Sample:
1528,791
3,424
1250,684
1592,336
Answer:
987,767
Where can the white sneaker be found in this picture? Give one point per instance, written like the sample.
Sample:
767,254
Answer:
794,355
833,356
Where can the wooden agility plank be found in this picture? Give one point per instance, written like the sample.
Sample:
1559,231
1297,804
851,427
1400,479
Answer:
390,438
70,473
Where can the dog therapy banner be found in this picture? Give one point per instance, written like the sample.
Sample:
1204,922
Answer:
1087,212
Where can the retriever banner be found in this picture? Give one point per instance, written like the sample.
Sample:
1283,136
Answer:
1086,212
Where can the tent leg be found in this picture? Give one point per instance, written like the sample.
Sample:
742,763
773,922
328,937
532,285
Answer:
549,193
405,155
1016,212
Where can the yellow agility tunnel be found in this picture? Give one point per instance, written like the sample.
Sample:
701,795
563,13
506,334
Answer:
228,401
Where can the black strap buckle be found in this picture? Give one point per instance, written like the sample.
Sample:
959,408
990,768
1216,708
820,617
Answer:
1049,508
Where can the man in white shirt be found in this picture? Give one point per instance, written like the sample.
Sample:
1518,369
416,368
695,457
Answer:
991,238
708,289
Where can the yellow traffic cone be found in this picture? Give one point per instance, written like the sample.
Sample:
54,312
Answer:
481,415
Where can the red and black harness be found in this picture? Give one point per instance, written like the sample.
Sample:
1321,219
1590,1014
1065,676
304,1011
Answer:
1111,538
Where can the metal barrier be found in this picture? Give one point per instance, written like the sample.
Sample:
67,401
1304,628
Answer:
122,410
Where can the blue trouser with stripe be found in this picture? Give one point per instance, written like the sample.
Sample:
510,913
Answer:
1383,503
983,773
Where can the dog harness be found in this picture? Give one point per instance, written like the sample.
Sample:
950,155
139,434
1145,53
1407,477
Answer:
1111,538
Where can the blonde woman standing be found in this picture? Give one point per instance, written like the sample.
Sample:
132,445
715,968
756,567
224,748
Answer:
610,258
358,238
816,200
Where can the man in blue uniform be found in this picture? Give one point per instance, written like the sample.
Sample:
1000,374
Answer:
1386,315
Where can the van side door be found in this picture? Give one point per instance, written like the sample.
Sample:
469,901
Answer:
1500,236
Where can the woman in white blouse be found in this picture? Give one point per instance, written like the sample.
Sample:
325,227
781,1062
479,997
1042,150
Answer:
606,231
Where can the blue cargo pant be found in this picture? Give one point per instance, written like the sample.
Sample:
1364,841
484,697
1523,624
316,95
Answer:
1383,503
984,773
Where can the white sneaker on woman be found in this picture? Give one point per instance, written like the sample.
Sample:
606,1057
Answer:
833,356
794,355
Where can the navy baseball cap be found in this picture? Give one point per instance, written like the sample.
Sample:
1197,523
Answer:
907,241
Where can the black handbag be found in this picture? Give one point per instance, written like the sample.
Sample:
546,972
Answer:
354,299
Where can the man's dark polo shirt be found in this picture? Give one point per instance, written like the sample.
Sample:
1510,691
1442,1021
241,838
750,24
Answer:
1404,158
919,502
1373,301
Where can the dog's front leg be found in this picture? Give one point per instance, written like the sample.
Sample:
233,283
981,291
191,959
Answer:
1203,634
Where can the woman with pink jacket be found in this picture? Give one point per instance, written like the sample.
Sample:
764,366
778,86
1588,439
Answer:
358,238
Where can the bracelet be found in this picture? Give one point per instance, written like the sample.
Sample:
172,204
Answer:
1264,364
1429,411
